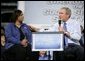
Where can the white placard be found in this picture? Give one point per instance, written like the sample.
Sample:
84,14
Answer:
47,41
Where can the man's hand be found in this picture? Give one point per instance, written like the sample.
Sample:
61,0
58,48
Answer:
65,32
60,29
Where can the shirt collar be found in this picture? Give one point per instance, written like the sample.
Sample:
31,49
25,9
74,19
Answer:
68,21
20,26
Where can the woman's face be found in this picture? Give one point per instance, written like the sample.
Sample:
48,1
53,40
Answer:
21,17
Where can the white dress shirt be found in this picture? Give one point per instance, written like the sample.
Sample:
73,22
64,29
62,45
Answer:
73,27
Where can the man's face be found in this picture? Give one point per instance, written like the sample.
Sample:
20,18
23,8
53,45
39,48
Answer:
3,40
42,52
62,15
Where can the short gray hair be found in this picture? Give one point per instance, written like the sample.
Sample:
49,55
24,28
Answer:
68,10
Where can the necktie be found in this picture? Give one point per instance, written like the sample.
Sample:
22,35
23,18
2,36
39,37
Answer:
65,38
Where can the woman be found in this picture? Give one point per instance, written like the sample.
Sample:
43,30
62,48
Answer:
18,38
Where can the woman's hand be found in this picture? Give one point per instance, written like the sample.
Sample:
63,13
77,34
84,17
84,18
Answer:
24,42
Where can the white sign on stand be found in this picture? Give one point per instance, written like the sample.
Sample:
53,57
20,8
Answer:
47,41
